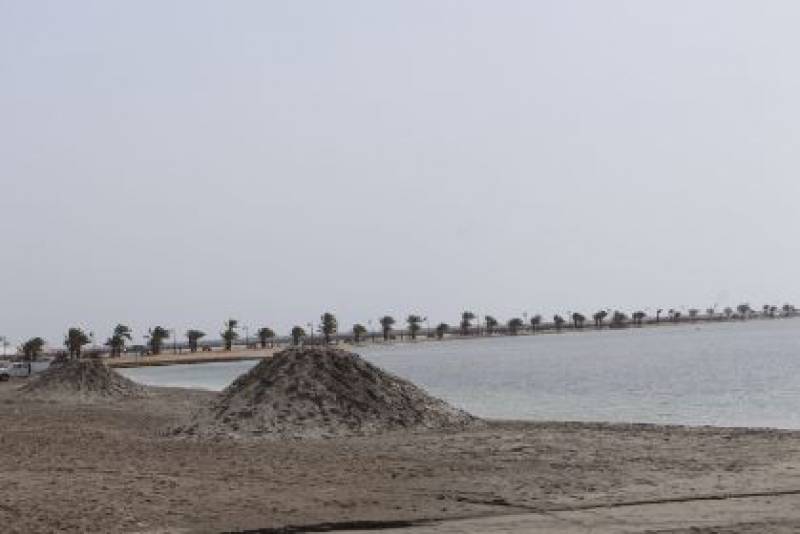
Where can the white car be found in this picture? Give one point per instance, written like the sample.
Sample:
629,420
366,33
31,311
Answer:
16,369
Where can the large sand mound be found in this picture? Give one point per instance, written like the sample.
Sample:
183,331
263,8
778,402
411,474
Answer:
316,392
84,379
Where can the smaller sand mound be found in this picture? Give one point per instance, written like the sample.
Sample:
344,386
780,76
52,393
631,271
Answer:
316,392
82,379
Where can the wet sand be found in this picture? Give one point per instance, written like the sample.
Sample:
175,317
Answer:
108,467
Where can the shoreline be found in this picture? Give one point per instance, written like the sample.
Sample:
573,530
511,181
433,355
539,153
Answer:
216,355
128,362
241,354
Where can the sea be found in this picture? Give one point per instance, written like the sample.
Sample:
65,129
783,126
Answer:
721,374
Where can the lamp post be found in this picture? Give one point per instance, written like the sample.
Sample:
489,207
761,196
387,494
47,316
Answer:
246,336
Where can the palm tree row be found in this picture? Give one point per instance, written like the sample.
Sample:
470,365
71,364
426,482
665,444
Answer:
76,339
490,326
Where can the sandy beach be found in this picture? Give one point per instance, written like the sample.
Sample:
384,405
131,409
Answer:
110,467
185,357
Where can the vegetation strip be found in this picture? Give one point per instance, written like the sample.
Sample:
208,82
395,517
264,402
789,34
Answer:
328,330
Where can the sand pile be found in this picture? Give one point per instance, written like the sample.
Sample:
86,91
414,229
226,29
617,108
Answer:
314,392
85,379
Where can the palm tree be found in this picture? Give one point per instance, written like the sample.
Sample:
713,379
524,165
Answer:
744,310
157,336
693,313
441,330
117,341
387,321
229,335
413,325
618,319
578,319
558,321
710,313
359,331
264,335
599,317
536,320
114,344
297,334
123,331
194,336
658,315
32,348
491,324
638,317
74,341
328,326
466,322
728,312
514,325
788,310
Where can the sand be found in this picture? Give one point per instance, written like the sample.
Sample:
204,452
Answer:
320,392
109,467
186,357
778,514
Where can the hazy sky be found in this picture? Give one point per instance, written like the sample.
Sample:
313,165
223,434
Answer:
180,162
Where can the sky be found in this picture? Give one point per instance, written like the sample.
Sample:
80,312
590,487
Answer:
182,162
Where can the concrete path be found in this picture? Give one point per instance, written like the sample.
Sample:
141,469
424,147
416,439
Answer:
744,514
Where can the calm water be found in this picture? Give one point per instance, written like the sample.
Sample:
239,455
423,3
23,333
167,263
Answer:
722,374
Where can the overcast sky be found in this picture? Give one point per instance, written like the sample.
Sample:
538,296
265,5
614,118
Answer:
181,162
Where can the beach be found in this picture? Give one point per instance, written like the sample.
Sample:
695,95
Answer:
185,357
112,467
